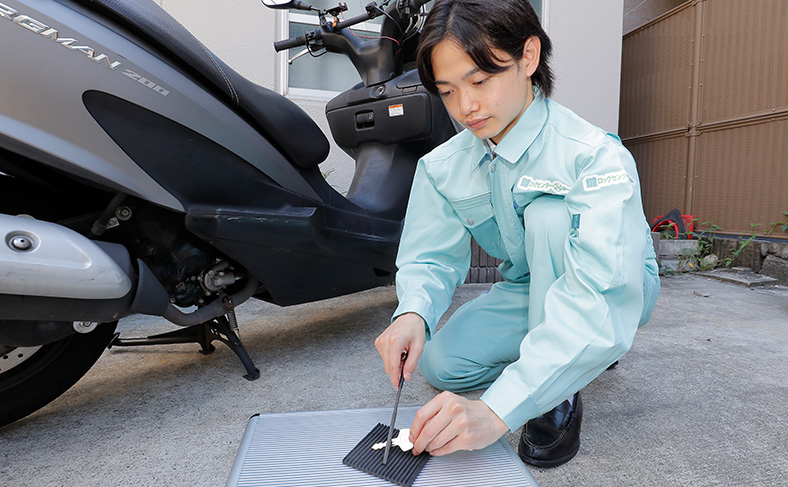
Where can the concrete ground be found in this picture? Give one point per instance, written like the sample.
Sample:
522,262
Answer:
700,399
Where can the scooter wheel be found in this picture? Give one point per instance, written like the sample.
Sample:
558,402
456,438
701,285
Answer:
31,378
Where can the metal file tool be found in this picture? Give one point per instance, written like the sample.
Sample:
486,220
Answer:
396,405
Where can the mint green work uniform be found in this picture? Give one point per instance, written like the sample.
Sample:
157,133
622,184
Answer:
559,201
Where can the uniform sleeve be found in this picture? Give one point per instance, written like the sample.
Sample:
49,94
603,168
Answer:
591,312
434,253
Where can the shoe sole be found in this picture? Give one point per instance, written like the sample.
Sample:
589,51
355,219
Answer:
557,462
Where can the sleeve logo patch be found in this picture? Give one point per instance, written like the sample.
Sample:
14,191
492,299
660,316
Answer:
597,181
527,183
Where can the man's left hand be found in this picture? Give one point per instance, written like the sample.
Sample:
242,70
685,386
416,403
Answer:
450,423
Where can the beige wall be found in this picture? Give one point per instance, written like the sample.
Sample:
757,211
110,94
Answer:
587,59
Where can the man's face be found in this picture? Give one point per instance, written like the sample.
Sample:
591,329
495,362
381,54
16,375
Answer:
487,104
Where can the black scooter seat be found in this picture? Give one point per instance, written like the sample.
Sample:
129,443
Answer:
283,122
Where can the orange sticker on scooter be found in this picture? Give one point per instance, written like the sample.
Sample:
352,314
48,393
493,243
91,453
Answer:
396,110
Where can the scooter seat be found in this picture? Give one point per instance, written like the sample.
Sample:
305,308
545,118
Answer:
283,122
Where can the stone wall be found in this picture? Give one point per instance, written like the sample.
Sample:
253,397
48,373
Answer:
764,257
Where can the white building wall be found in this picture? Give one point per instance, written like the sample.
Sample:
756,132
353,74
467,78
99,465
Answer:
586,61
586,38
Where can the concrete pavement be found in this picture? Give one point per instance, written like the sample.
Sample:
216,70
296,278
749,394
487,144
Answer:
700,399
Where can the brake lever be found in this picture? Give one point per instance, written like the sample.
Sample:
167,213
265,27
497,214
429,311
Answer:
302,53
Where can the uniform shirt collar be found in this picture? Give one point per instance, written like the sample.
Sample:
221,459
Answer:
520,137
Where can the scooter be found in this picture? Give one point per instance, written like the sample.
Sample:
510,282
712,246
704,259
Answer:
141,174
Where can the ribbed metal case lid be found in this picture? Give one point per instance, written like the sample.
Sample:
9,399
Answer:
306,449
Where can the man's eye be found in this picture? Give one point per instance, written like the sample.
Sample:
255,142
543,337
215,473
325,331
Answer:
480,82
444,94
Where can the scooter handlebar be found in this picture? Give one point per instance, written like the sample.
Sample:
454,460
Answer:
302,40
353,21
289,43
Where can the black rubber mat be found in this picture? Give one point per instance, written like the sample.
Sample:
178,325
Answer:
401,467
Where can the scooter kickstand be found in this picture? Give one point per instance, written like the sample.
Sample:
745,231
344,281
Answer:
217,329
221,326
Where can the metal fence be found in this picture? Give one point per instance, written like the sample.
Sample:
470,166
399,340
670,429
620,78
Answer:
704,110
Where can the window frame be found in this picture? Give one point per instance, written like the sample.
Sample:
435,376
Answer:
283,20
282,70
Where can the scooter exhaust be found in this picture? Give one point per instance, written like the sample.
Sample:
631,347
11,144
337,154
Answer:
51,273
54,276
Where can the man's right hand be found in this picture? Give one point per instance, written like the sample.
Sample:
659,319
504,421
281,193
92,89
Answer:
407,332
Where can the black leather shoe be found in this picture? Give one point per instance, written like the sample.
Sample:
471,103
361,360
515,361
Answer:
553,438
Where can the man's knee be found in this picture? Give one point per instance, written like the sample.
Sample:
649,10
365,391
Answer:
442,371
546,212
547,217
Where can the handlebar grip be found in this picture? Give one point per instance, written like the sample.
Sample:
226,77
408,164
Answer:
353,21
289,43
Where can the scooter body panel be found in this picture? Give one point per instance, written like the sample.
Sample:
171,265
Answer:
84,52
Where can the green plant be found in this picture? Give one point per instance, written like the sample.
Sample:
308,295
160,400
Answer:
706,239
688,261
773,225
666,271
706,260
742,245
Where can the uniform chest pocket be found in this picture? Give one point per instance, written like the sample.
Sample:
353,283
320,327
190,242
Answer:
476,213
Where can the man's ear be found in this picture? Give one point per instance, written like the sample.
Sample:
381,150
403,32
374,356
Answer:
532,51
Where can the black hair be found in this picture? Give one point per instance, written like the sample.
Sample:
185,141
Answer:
478,26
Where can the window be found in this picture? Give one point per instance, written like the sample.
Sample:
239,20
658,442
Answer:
537,5
321,78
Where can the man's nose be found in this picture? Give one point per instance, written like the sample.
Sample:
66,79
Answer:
468,102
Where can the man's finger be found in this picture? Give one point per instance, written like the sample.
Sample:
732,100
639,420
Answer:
424,414
395,363
429,422
413,360
392,351
443,441
450,447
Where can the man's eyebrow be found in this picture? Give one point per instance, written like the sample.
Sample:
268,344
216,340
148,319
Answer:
470,73
464,77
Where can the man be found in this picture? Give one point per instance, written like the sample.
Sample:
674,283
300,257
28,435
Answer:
554,197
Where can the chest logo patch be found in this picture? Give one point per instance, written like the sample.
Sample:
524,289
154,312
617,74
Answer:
598,181
527,183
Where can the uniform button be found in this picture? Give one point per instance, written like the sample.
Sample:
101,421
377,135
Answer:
492,168
470,221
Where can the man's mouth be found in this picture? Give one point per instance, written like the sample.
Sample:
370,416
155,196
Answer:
477,123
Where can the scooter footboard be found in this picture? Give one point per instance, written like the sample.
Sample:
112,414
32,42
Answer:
294,252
